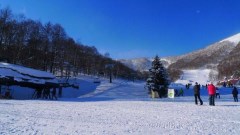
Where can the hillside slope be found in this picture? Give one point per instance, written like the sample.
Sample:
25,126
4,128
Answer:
207,58
229,66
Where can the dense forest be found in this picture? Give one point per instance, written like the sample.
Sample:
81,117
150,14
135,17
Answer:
47,47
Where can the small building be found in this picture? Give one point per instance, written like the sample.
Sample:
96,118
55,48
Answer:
15,75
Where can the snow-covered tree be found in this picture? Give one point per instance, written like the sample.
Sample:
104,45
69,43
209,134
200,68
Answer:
158,78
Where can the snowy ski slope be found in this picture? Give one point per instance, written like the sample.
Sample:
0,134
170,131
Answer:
120,108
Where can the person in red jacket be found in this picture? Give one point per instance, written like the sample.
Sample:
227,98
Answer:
211,92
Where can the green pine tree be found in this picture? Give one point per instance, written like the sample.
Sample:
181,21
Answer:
158,78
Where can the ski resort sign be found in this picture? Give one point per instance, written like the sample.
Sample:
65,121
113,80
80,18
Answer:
171,93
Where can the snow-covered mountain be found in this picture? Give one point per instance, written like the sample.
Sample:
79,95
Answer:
208,57
234,39
144,64
140,64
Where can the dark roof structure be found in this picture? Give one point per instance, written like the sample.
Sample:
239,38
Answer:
11,74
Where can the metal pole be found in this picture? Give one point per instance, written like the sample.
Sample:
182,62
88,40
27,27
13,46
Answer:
110,75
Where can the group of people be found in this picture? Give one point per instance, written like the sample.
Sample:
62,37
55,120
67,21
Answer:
212,92
178,93
45,93
228,84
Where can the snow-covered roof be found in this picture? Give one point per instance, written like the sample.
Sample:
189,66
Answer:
26,71
24,74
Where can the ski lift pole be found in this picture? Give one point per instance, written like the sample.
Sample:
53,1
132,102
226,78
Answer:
110,67
110,76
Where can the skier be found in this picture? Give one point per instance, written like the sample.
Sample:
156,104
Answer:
7,94
60,91
180,92
46,93
176,92
53,92
224,84
217,93
211,92
196,89
235,94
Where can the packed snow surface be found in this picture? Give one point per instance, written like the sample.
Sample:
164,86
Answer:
119,108
191,76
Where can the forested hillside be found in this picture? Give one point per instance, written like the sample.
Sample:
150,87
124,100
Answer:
229,66
208,57
48,47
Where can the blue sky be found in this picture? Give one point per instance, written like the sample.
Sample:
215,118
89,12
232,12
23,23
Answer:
137,28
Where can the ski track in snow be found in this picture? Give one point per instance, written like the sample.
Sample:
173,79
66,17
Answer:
120,108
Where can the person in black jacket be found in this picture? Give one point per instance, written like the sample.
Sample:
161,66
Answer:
235,94
54,92
196,89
